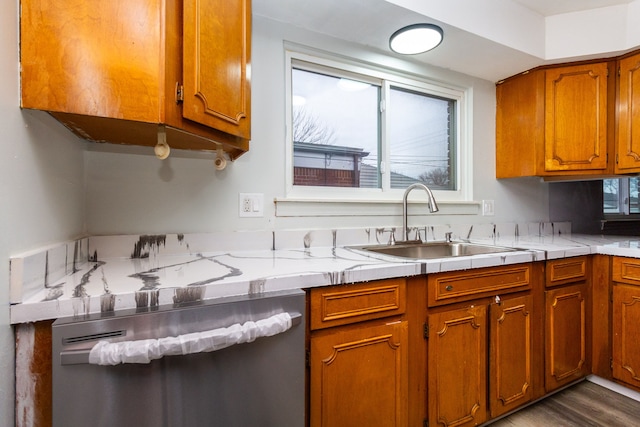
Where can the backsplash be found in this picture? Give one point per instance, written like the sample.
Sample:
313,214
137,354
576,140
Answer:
139,246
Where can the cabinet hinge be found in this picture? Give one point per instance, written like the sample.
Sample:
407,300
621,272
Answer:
307,358
425,423
611,363
179,93
425,328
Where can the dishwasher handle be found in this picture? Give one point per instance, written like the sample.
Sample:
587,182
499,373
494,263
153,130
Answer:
143,351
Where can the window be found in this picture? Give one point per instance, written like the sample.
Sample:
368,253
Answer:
620,196
356,132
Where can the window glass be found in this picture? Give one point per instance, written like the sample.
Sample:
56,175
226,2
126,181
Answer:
611,199
360,133
336,131
620,196
421,137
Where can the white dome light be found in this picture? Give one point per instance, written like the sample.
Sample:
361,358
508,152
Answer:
414,39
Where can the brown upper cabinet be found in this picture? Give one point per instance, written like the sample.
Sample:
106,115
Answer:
628,132
569,121
141,71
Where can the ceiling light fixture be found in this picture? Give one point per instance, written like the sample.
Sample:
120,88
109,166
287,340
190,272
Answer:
416,38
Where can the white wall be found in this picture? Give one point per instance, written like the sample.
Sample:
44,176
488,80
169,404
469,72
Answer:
130,191
41,188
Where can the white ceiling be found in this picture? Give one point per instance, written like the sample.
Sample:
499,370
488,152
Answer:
555,7
468,47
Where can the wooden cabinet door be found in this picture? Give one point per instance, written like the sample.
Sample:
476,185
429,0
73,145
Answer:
510,351
628,132
565,335
92,58
359,375
217,56
457,367
626,334
576,118
520,125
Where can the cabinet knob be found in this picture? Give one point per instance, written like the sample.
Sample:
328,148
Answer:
449,287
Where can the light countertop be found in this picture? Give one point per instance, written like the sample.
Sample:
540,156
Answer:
100,274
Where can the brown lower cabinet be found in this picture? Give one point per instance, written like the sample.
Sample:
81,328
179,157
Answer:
567,321
359,355
368,363
511,358
482,354
462,343
458,367
566,336
626,321
449,349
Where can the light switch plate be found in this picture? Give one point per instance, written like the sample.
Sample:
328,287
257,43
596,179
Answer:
251,205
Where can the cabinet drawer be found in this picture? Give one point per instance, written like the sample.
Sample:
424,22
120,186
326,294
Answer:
566,270
340,305
626,270
446,288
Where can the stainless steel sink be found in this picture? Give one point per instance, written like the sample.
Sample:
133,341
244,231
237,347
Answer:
432,250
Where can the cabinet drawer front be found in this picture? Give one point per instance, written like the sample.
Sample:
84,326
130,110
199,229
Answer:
446,288
567,270
340,305
626,270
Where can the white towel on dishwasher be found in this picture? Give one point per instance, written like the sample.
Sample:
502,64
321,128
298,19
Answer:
144,351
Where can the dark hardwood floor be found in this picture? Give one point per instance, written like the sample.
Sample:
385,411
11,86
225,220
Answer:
582,405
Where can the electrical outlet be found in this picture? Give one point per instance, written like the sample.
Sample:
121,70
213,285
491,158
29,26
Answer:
488,208
251,205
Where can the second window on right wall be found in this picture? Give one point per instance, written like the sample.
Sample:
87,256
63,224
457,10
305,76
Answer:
620,196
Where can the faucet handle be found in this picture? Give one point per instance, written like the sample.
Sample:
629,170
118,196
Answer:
392,237
447,236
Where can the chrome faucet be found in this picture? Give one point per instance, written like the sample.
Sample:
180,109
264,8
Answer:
433,206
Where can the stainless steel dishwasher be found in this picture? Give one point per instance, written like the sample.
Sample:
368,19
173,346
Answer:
257,383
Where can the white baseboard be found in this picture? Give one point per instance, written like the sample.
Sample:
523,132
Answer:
620,389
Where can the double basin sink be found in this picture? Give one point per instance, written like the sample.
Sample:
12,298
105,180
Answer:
432,250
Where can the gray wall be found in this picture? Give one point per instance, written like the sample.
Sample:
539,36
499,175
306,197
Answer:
130,191
42,189
55,187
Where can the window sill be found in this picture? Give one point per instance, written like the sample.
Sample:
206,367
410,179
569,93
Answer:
373,208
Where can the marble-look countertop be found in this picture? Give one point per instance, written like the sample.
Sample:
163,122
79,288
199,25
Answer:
105,274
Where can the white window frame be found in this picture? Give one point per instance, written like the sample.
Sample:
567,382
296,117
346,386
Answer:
624,201
464,149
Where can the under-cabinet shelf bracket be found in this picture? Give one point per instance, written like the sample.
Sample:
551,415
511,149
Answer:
220,162
162,149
